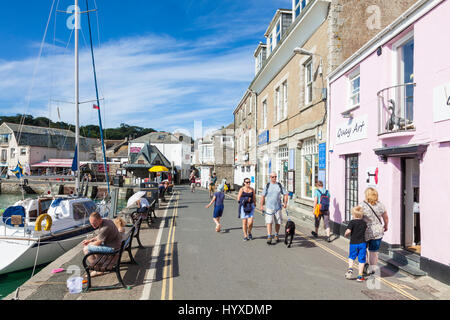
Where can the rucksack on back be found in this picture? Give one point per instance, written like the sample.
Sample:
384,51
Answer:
324,200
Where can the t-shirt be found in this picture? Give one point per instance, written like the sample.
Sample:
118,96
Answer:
273,197
375,229
213,180
358,228
219,198
109,234
144,203
318,195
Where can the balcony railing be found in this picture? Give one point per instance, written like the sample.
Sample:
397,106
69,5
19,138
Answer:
396,108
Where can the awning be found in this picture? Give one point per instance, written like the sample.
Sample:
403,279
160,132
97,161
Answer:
409,150
55,163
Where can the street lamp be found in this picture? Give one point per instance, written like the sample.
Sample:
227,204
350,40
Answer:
305,52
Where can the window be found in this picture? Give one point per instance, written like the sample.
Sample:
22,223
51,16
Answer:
90,207
285,99
265,114
79,211
4,138
310,167
308,82
278,31
354,89
4,155
299,5
23,151
277,104
351,184
13,153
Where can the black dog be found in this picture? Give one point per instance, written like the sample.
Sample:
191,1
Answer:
289,232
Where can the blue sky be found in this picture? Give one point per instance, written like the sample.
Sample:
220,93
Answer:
160,64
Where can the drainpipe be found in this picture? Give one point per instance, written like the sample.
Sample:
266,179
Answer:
328,155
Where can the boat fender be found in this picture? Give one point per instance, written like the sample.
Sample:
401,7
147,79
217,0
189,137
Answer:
40,219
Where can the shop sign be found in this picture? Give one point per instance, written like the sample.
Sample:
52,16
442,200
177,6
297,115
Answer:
263,138
372,177
352,130
322,156
441,109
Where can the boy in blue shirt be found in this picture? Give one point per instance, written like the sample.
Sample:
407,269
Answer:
356,228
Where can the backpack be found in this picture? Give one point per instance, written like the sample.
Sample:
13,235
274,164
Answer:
324,200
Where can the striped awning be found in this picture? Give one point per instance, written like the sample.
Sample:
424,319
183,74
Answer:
55,163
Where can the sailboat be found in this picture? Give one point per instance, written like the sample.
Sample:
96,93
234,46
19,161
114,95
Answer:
37,231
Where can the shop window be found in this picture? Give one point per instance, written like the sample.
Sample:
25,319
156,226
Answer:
351,184
310,167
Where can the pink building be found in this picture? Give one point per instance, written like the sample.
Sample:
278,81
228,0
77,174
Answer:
389,127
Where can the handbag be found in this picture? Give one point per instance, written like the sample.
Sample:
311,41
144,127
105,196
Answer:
379,220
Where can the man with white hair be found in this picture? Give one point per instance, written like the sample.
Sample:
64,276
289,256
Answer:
271,196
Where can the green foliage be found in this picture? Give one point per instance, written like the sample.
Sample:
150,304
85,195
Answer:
89,131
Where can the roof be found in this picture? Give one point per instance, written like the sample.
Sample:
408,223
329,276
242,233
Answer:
46,137
151,156
157,137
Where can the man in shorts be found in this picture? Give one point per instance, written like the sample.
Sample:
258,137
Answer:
271,196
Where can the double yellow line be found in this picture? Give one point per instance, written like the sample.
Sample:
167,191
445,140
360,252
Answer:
168,260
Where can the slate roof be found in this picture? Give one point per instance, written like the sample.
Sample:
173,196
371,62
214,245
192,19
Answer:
157,137
47,137
151,154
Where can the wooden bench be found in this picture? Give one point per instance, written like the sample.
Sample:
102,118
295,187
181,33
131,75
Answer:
110,262
148,215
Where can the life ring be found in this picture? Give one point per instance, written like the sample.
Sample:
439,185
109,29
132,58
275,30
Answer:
48,224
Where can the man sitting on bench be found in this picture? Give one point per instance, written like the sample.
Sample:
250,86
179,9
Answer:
106,240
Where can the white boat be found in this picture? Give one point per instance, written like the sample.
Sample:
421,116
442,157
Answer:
23,245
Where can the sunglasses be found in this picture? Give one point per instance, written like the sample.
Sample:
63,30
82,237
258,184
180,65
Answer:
246,181
273,176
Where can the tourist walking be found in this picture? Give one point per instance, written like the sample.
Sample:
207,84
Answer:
356,229
212,184
218,206
374,214
271,197
322,198
192,181
247,203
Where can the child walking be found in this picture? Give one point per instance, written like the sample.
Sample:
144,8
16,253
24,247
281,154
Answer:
356,228
218,206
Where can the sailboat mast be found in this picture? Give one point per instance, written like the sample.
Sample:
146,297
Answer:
77,100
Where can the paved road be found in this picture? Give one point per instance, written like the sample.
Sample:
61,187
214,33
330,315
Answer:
195,262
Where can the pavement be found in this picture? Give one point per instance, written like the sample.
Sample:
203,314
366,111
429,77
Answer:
185,259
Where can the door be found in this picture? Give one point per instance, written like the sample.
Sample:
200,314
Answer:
411,205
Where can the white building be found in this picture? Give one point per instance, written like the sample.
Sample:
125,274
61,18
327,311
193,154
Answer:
176,149
31,145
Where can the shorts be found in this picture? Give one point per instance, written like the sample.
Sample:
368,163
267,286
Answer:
218,211
192,185
245,215
358,250
99,249
212,187
277,216
374,245
326,220
142,210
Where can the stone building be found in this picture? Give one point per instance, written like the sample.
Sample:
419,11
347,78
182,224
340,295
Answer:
34,146
290,89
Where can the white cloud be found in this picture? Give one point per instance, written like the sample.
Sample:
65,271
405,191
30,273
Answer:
139,78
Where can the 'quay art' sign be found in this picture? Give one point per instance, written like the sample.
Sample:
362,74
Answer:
352,130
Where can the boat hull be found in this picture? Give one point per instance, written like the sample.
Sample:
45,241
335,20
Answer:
17,255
